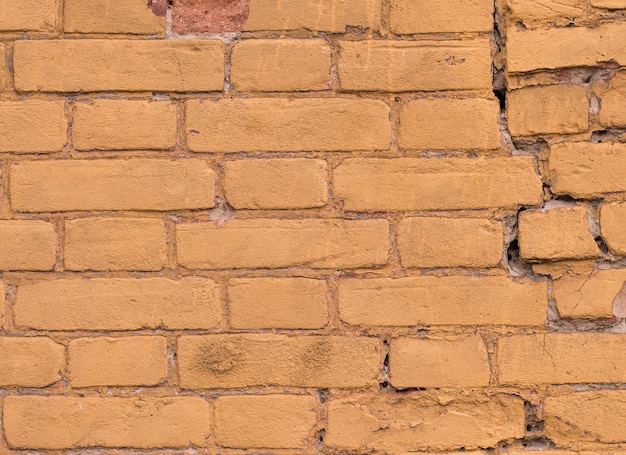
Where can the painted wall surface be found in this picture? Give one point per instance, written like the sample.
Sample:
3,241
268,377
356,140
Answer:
312,226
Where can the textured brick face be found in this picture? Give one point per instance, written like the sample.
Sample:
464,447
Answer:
302,227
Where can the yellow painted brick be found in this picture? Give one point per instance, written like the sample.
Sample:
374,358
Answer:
423,422
569,47
397,66
124,125
427,124
3,303
589,296
447,300
118,304
127,361
27,245
287,303
112,184
287,125
120,65
28,15
430,242
575,418
556,234
407,184
237,361
32,126
561,358
322,15
60,422
609,4
612,222
613,99
276,183
585,170
265,243
4,77
545,9
115,244
106,16
260,65
456,362
268,421
30,362
437,16
554,109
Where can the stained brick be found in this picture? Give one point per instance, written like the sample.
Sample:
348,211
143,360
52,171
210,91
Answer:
103,16
238,361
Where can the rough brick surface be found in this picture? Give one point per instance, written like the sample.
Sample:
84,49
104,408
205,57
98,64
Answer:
425,124
39,422
104,16
429,184
287,303
124,125
561,233
456,363
414,65
555,358
127,361
583,170
442,301
242,125
115,244
28,15
123,65
30,362
269,244
445,423
270,421
548,110
323,15
569,47
567,426
612,221
427,242
591,295
32,126
276,183
312,226
118,304
238,361
27,245
135,184
436,16
286,65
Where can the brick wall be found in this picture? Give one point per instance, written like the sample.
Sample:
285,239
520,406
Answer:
302,227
